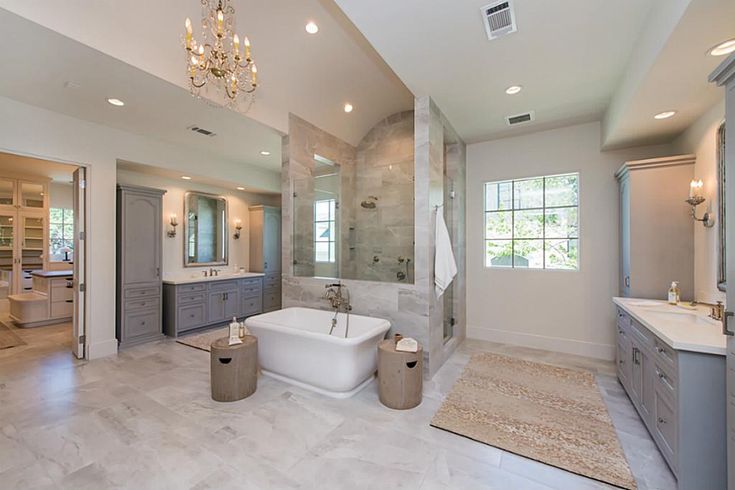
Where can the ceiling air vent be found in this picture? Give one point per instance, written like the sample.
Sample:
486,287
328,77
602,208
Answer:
203,131
499,19
520,118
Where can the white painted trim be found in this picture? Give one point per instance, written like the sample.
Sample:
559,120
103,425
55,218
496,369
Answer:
555,344
102,349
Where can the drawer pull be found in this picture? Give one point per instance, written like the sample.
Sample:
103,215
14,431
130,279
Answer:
665,380
69,300
662,420
192,315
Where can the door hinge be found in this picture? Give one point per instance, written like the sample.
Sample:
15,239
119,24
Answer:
82,235
82,339
82,287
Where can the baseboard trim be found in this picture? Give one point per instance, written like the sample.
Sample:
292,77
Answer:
102,349
556,344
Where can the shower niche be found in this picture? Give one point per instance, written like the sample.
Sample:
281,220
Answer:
353,217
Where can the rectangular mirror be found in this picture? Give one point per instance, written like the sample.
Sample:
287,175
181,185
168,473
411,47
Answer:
205,230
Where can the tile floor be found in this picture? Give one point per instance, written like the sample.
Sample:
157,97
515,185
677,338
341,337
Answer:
144,419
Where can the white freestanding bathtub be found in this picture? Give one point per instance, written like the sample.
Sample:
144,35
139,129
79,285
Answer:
294,345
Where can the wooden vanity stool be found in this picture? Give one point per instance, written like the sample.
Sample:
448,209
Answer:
234,369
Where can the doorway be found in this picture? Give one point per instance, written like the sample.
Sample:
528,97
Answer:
42,258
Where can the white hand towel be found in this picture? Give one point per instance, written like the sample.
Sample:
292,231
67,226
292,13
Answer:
445,267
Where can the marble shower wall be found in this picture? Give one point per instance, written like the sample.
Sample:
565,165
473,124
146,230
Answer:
412,309
384,171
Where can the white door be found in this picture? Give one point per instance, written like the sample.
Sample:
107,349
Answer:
78,331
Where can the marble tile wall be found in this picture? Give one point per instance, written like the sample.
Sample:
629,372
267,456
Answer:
412,309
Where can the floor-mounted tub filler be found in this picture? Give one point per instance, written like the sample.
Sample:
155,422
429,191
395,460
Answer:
294,345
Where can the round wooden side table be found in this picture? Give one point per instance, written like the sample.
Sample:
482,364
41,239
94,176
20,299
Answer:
400,376
234,369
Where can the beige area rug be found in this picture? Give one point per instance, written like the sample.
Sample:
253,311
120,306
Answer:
203,340
551,414
8,338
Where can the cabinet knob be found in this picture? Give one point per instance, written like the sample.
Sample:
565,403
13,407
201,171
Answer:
662,420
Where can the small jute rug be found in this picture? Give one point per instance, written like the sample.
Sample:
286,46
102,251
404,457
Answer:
202,341
8,338
547,413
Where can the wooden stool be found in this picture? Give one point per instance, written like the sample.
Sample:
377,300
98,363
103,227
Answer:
400,376
234,369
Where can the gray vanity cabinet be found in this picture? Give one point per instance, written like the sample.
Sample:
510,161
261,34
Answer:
199,305
224,301
679,396
139,234
265,252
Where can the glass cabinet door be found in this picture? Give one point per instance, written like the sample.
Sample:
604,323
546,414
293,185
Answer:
32,249
31,195
7,241
7,192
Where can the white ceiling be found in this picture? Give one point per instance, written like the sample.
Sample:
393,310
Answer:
568,56
309,75
22,166
573,59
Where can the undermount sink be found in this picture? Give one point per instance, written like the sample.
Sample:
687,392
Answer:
668,314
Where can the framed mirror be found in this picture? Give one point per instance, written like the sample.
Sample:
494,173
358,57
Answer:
721,206
205,230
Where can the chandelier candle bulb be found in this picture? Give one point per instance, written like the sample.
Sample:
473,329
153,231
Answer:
188,33
220,22
255,75
236,46
247,48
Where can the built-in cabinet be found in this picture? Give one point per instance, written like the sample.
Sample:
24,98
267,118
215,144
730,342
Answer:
656,229
139,286
265,252
198,305
23,232
680,398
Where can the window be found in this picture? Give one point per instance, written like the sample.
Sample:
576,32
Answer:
325,230
533,223
61,235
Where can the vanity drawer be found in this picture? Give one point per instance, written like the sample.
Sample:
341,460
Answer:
271,301
141,304
146,292
191,288
255,281
252,306
665,428
192,316
665,382
223,285
252,290
142,323
665,354
188,298
272,281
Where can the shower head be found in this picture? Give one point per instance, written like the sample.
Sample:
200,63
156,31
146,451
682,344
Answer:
369,203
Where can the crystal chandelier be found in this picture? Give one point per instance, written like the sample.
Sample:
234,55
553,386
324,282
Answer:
218,58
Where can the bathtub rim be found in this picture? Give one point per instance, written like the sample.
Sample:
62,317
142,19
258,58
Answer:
384,326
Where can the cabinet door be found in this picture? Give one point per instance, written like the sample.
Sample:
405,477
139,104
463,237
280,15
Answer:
232,304
32,195
648,377
141,238
271,240
625,237
32,241
636,376
216,310
7,193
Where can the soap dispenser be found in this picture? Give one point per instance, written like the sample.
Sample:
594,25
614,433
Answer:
674,293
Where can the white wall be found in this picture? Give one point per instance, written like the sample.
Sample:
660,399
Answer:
32,131
173,203
557,310
701,139
61,195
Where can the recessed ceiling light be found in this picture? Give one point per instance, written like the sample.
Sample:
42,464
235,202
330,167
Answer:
116,102
265,153
348,107
664,115
186,177
513,89
312,28
240,188
723,48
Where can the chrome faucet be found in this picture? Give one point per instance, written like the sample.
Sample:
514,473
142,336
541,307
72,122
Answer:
339,298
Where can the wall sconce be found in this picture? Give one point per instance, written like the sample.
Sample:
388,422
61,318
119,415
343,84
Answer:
174,221
695,199
238,227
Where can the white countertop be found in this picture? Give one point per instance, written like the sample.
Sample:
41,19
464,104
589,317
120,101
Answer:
680,327
199,277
